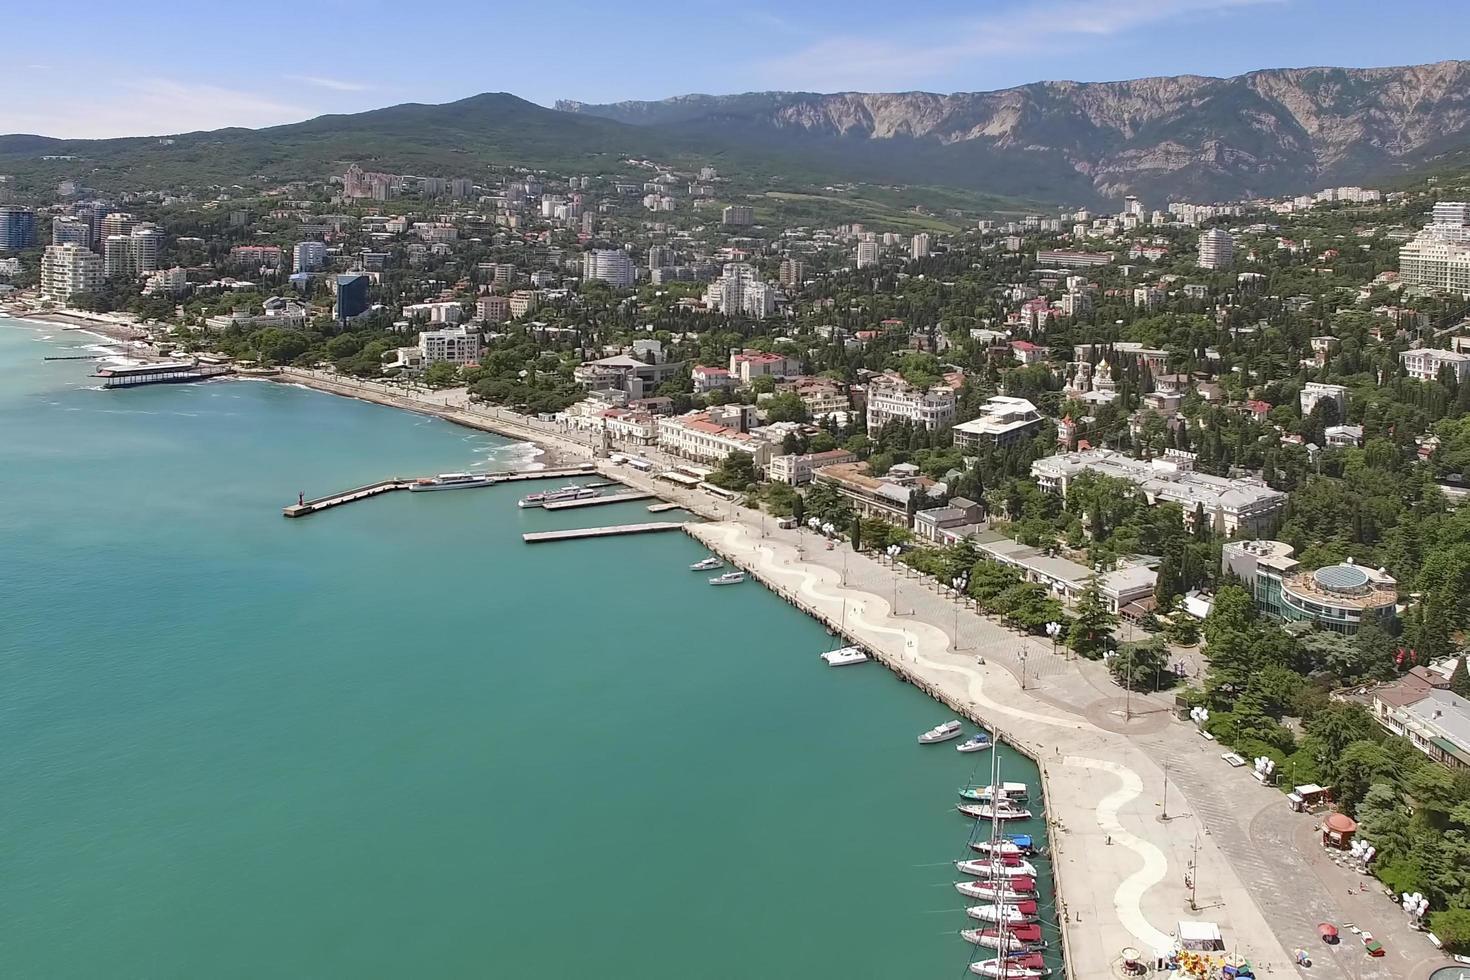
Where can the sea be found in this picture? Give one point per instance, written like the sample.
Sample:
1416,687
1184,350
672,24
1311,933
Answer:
392,740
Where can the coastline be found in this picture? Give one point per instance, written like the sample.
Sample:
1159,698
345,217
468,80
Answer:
108,329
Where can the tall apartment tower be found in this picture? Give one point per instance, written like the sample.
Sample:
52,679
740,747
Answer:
145,249
793,273
1216,249
67,270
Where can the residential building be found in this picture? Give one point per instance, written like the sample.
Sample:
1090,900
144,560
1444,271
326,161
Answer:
793,273
821,396
1004,421
1066,259
959,519
1343,436
117,223
919,247
660,257
442,312
351,296
1149,297
1438,258
167,281
260,256
17,227
740,291
622,372
747,365
739,215
610,265
67,270
867,254
707,379
799,469
1230,507
523,301
457,345
1315,391
1438,725
1216,249
276,312
1025,352
308,256
884,497
145,249
696,436
1425,363
492,308
891,399
68,230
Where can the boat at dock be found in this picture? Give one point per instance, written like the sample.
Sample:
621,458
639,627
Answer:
729,578
983,794
1018,844
942,733
996,811
999,866
554,496
975,743
845,656
1023,967
998,890
1023,938
452,481
707,564
1005,913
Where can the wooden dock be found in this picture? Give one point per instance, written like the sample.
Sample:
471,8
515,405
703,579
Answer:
573,534
345,497
612,498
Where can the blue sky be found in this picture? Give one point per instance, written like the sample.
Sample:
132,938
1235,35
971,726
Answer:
102,68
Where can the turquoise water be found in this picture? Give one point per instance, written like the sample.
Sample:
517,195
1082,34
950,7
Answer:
392,740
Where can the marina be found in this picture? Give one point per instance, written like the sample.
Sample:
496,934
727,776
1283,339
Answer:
305,506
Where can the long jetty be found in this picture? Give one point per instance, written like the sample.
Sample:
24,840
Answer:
573,534
612,498
304,507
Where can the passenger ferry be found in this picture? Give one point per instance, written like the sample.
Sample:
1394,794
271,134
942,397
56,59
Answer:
553,496
452,481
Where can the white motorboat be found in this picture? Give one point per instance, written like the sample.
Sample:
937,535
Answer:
997,811
996,867
942,733
729,578
983,794
1004,913
978,742
845,656
1012,844
452,481
707,564
998,890
1024,967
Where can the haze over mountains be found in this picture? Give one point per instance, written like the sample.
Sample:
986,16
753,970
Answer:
1264,133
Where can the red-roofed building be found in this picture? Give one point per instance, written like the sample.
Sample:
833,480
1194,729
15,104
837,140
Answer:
695,437
710,379
746,366
1026,352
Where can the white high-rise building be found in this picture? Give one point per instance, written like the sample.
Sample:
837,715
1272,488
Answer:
1216,249
793,272
610,265
739,290
117,255
67,270
1438,258
118,223
145,249
867,254
67,230
457,345
308,256
660,256
919,248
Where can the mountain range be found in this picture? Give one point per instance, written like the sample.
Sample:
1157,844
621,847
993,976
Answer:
1191,137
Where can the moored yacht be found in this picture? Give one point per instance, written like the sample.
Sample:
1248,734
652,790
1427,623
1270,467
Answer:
452,481
1023,967
942,733
998,890
845,656
983,794
553,496
975,743
994,811
1023,938
996,867
729,578
707,564
1009,844
1005,913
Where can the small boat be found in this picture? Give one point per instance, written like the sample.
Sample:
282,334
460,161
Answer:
452,481
997,811
1022,938
983,794
942,733
1023,967
998,890
729,578
707,564
1010,844
554,496
1004,913
845,656
1008,866
975,743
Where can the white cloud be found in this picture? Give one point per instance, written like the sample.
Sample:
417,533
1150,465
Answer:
884,62
335,84
148,107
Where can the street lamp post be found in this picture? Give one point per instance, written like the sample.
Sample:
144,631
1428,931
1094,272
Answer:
1022,657
1054,630
959,588
893,551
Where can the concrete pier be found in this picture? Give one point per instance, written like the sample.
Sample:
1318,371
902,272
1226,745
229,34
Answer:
573,534
305,507
613,498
